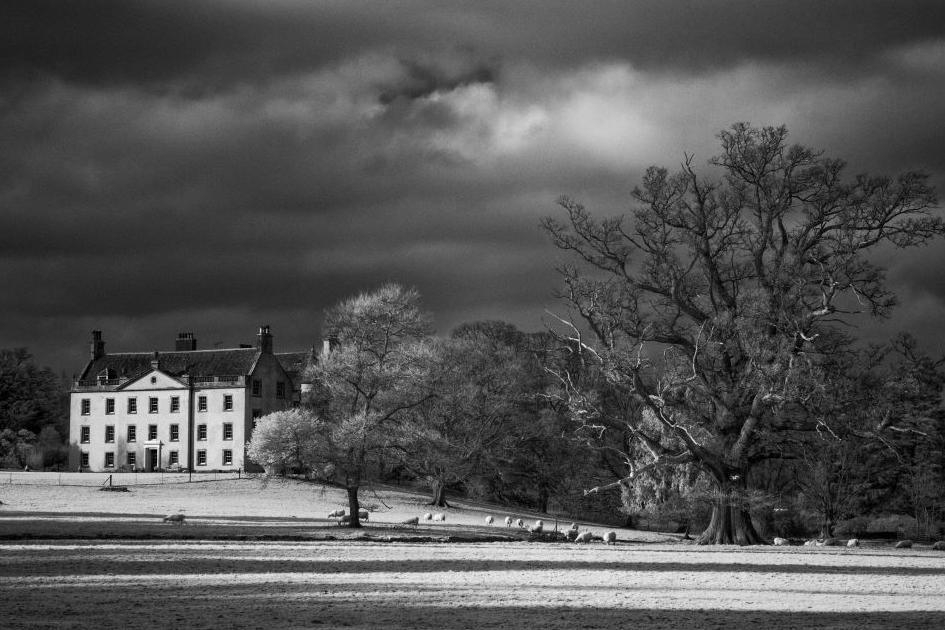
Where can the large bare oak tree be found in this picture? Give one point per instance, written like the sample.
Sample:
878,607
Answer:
707,303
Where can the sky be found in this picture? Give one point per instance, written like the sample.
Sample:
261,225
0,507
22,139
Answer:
211,166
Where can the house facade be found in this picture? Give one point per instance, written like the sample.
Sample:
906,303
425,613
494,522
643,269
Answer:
188,409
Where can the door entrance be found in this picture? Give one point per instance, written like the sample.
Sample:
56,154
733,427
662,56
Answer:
151,459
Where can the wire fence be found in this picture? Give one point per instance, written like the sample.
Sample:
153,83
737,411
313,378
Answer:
116,479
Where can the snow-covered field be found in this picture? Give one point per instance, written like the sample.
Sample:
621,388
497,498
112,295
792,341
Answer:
499,585
299,578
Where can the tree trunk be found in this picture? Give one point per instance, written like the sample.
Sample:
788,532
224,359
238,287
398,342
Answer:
731,522
354,508
543,496
439,495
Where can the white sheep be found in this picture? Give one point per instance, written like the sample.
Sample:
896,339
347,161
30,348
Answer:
439,516
520,523
904,544
780,542
536,528
489,520
175,518
508,521
584,537
427,516
336,514
853,542
610,538
414,520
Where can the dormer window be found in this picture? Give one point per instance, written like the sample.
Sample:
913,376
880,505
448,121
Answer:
107,374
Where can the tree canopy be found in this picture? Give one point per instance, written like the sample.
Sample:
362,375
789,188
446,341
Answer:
712,304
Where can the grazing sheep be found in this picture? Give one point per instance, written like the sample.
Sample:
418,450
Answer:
818,543
508,521
520,523
489,520
427,516
584,537
610,538
853,542
415,520
536,528
780,542
439,516
904,544
174,518
336,514
810,543
939,546
833,542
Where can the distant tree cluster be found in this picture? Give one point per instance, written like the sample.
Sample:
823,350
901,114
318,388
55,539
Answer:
33,413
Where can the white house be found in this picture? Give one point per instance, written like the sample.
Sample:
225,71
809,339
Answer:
186,409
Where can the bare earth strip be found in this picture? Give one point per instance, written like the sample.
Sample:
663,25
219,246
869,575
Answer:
509,585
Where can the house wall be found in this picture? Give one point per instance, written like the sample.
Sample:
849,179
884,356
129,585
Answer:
142,419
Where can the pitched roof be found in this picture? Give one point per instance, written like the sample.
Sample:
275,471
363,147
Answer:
294,363
236,361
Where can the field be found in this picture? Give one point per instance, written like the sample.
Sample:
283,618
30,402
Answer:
262,555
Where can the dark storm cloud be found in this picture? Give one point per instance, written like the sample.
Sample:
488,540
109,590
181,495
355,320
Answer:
205,44
216,165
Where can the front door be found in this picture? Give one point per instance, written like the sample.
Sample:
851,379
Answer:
151,462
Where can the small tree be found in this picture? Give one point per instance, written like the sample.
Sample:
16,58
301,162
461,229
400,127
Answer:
286,440
371,379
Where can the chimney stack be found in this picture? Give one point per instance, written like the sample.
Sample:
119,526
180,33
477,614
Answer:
97,346
264,340
155,361
185,342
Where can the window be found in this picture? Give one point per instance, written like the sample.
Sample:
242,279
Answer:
132,459
201,458
175,404
175,432
201,432
86,406
110,433
85,435
201,403
109,460
132,433
227,430
152,431
109,406
172,459
257,414
132,405
227,457
153,380
227,402
84,460
257,388
152,405
280,389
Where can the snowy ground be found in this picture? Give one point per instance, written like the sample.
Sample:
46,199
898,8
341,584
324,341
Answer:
507,585
281,568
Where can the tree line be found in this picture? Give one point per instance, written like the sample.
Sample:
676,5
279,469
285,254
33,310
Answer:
704,366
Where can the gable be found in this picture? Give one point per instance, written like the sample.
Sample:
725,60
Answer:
155,379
